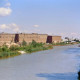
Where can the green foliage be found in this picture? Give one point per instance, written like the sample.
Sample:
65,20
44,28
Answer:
28,48
24,43
0,49
45,48
76,40
34,44
14,48
50,46
8,54
5,48
61,43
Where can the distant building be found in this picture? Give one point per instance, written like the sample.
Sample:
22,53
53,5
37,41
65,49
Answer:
18,38
34,36
53,39
56,39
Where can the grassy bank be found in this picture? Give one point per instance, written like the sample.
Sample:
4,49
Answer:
12,51
64,43
6,52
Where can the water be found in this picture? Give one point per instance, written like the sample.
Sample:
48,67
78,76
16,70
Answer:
60,63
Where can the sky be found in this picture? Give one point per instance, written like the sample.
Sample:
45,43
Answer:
53,17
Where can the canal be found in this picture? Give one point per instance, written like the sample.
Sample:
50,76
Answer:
60,63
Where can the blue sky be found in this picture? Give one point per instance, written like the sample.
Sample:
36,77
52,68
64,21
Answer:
56,17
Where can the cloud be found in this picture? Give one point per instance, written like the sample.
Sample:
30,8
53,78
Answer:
4,26
10,27
35,25
5,11
15,27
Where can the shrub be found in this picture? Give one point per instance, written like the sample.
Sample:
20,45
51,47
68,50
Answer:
4,54
5,48
45,48
24,43
34,44
50,46
28,49
0,49
14,48
8,54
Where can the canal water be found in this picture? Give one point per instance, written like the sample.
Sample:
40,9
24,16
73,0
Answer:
60,63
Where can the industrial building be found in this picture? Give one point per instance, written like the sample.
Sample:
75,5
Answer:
18,38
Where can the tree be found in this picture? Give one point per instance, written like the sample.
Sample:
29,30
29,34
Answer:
76,40
34,44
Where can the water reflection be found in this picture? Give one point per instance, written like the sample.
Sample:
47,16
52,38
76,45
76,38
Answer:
58,76
73,50
74,54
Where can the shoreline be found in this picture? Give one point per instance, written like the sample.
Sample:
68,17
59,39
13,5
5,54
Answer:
21,52
13,51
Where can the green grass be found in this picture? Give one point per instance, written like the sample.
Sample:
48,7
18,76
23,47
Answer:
6,52
61,43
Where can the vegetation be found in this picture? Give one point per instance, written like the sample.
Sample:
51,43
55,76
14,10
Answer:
24,43
34,46
28,48
61,43
6,52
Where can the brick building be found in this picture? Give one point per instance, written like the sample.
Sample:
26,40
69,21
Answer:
44,38
56,39
34,36
6,38
53,39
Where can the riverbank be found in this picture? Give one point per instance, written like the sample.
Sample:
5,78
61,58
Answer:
12,51
64,44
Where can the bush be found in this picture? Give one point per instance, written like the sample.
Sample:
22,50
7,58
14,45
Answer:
0,49
5,48
61,43
8,54
14,48
45,48
50,46
28,49
4,54
24,43
34,44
